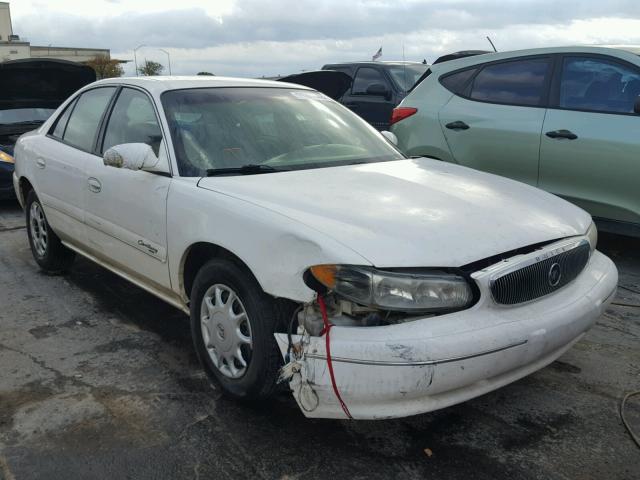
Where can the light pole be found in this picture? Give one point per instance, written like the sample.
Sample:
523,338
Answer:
168,58
135,58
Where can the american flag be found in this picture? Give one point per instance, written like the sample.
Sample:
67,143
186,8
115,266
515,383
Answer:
377,55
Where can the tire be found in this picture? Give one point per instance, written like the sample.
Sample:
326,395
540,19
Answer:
215,331
46,248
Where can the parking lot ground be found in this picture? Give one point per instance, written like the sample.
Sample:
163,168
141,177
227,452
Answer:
99,380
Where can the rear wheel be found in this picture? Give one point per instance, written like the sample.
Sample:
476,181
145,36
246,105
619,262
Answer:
50,254
232,324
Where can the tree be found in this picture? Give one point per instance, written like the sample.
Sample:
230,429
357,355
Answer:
105,67
150,68
206,73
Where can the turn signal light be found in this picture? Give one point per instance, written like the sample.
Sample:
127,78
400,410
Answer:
400,113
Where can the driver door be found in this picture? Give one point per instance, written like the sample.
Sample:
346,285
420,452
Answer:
126,209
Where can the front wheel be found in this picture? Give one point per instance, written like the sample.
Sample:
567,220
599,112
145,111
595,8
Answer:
47,249
232,325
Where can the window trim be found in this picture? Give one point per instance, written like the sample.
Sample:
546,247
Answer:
544,99
75,103
107,118
111,108
70,107
554,95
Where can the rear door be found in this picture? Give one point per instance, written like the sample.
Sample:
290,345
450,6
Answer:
126,210
494,121
590,150
376,107
62,159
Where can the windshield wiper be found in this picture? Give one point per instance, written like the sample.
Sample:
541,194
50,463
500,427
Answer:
250,169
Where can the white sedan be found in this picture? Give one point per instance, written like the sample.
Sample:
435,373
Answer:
306,247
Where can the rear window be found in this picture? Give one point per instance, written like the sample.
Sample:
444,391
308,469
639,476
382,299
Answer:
520,82
406,76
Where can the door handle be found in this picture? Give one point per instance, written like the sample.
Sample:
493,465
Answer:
562,134
94,185
457,125
41,163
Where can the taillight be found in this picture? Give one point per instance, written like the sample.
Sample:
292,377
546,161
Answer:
400,113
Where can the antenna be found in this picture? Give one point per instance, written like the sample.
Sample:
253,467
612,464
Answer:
404,67
494,47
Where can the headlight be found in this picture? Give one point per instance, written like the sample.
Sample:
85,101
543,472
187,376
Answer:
592,236
5,157
406,292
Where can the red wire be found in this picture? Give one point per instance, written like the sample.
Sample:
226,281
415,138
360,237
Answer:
326,330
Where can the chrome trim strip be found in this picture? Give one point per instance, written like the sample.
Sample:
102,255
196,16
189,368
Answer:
518,263
416,364
148,288
512,264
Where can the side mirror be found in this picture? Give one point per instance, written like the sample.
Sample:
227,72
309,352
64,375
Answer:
636,106
390,137
133,156
377,89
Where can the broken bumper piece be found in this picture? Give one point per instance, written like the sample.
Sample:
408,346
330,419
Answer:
432,363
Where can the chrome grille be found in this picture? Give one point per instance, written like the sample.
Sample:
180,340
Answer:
541,277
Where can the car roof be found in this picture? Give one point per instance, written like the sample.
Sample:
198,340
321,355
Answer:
386,63
159,84
621,52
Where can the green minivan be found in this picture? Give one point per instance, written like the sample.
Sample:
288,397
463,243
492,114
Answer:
566,120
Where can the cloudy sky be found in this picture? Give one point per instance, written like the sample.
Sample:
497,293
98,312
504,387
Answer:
259,37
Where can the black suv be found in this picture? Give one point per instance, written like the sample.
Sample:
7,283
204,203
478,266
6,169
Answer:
377,87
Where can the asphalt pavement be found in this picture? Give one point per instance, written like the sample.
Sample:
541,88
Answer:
99,380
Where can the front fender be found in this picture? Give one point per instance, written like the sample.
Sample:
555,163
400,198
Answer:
277,249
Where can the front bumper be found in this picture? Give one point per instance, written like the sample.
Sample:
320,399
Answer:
432,363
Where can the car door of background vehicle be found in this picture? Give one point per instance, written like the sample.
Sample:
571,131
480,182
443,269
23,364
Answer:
61,161
593,158
494,121
375,109
126,209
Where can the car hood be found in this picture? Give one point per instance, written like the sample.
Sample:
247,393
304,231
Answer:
416,212
38,83
330,82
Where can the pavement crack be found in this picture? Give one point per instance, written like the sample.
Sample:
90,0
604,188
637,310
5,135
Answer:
58,376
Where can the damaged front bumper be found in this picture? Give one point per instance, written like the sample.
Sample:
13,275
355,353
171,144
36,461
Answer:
432,363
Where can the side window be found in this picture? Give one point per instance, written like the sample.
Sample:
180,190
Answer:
520,82
61,122
598,85
83,124
365,77
457,82
133,120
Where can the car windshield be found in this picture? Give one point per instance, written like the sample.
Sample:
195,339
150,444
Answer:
269,128
406,76
25,115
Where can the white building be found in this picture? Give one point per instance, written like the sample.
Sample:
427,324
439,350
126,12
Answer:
12,47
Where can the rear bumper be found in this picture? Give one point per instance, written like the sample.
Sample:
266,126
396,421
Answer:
432,363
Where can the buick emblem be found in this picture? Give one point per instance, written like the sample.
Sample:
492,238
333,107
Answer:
220,331
554,275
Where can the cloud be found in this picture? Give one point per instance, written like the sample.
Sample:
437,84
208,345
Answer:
254,37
